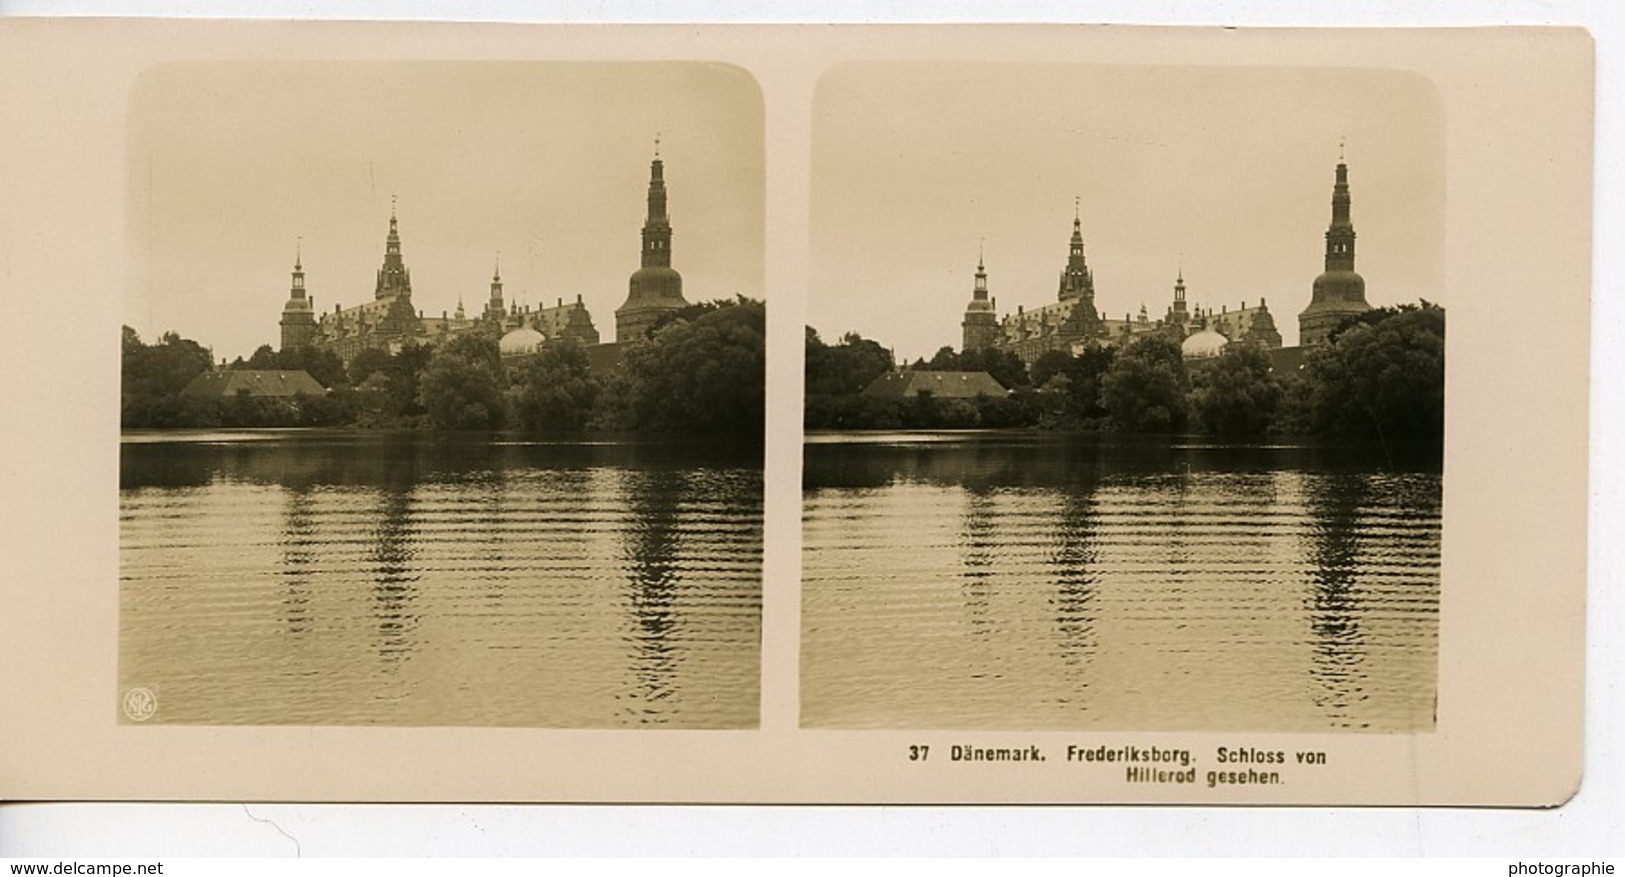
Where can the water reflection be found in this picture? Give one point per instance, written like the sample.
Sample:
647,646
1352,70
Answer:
976,576
298,555
1333,603
394,588
1075,568
493,560
360,578
1117,582
651,551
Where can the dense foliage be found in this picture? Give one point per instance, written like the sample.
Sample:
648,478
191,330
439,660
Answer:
702,370
1381,376
1237,394
836,375
706,375
1145,388
462,385
555,391
1071,386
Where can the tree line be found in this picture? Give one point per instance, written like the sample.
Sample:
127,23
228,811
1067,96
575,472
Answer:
1381,375
701,370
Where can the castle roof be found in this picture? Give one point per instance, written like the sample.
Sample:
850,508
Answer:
941,385
1205,344
259,383
521,342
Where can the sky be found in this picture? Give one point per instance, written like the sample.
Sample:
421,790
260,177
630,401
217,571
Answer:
233,165
1224,172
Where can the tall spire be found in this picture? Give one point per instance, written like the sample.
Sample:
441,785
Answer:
1076,280
393,278
298,289
657,225
1340,234
1339,292
655,289
298,317
1077,228
494,308
981,325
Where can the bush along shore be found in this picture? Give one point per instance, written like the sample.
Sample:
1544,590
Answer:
700,371
1381,376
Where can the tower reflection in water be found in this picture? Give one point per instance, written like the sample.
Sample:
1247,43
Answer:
1334,601
1002,581
653,574
326,578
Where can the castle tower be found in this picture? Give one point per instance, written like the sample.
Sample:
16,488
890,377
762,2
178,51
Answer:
655,288
494,309
1339,292
394,279
299,314
981,325
1077,281
1179,316
1082,321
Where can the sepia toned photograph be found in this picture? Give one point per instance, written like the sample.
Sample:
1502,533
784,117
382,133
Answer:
442,396
1110,423
1104,443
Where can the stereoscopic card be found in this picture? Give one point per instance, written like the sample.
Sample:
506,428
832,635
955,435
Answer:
755,414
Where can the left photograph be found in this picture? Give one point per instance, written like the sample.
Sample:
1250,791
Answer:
443,396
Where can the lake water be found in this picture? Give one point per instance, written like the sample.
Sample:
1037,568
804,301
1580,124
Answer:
311,577
1022,581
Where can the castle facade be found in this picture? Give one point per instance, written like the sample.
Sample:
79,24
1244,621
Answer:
390,320
1071,323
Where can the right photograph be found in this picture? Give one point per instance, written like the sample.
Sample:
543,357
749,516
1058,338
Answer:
1125,395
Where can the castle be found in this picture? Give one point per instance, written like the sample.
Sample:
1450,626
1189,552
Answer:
390,320
1072,322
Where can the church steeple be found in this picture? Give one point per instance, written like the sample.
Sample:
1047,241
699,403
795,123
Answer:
656,225
394,279
1339,292
1340,234
655,289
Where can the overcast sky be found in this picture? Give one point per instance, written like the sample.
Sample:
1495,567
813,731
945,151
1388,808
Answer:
1231,170
548,163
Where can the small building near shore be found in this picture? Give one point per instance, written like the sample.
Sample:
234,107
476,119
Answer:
939,385
256,383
